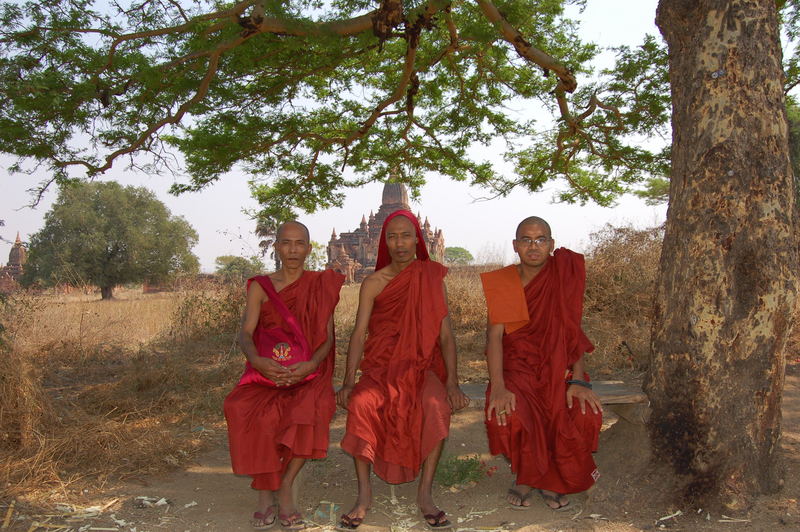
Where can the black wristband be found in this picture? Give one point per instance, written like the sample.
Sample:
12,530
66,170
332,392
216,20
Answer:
581,383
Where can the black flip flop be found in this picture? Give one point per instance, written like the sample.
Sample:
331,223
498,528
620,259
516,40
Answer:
522,498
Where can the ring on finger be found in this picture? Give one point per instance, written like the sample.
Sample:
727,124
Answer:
502,412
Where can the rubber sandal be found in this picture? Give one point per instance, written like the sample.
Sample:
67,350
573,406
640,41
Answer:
262,521
522,498
440,521
558,499
293,521
347,523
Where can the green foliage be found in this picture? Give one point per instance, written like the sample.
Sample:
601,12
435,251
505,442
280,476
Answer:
309,93
457,255
655,191
793,116
311,99
106,234
236,269
457,471
318,258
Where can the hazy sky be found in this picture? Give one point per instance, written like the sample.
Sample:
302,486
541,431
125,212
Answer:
484,227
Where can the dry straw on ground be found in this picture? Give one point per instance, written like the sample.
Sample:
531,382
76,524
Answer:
95,390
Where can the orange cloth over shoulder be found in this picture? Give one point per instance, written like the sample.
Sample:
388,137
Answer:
505,298
267,427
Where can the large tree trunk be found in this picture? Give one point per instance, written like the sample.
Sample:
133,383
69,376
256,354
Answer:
726,293
107,292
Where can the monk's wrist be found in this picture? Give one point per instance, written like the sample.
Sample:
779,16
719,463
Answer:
578,382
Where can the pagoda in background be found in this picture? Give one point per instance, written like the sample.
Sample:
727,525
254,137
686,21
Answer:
12,272
354,254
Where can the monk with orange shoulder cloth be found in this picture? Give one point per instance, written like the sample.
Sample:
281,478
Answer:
279,414
399,410
541,412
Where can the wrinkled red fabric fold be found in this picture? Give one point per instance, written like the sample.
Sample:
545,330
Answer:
385,410
548,444
267,426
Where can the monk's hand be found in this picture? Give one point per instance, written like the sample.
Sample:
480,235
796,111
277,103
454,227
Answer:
275,372
584,396
456,397
301,370
343,394
502,402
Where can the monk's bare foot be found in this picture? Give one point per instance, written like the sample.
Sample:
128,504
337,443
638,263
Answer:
519,495
353,519
434,517
265,515
555,501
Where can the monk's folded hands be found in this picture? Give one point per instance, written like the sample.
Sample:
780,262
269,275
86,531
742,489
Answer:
277,373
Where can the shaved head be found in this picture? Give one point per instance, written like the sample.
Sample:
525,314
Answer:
292,223
534,220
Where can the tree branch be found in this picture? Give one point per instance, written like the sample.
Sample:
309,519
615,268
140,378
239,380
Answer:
525,49
202,90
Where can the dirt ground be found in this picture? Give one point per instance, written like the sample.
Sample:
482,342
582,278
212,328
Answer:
207,497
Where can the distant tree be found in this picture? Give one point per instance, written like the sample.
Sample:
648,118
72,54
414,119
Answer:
106,234
318,257
655,191
457,255
233,268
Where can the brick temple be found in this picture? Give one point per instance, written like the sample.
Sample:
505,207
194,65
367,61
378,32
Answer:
353,254
12,272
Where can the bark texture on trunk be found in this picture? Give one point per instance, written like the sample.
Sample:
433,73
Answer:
107,292
726,294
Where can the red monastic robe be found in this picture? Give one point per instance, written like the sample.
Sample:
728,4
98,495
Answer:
398,410
549,445
267,427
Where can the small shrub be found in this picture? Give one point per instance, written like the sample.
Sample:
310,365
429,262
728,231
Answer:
621,270
208,314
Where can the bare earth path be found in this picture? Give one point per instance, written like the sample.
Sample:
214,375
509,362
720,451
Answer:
207,497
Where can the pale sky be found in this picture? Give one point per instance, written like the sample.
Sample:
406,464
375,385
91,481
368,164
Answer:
484,227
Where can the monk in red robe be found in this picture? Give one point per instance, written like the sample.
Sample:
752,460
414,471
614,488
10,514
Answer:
399,410
273,430
540,410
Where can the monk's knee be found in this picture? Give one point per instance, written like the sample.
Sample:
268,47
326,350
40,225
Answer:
364,400
588,419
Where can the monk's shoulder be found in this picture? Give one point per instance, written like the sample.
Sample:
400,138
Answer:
436,269
501,276
255,283
325,280
568,258
375,282
334,279
567,254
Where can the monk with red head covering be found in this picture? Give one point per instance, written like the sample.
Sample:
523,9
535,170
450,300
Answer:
541,412
275,426
399,410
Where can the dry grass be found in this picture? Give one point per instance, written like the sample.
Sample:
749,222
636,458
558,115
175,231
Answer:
95,390
89,321
621,270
